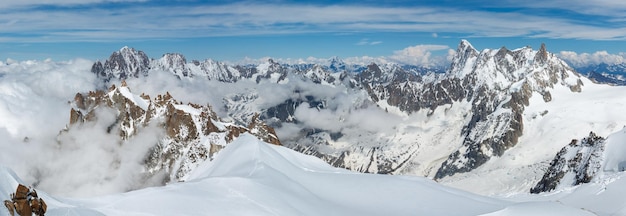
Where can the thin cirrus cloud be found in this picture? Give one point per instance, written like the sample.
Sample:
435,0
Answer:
140,20
366,41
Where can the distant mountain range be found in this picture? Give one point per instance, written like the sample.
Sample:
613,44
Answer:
613,74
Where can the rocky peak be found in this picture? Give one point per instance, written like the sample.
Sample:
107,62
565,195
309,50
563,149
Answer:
336,64
176,63
214,70
542,55
271,70
465,52
373,74
123,64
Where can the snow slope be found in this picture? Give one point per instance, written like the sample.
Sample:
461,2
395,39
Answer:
250,177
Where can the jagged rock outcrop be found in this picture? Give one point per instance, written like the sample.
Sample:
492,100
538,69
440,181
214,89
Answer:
25,201
576,163
192,133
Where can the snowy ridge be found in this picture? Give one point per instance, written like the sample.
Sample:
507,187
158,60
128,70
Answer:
252,177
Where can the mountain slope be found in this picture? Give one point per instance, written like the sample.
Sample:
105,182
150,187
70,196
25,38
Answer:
252,177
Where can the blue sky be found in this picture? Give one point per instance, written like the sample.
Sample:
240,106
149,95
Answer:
230,31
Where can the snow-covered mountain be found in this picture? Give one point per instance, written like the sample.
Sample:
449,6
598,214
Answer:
382,118
250,177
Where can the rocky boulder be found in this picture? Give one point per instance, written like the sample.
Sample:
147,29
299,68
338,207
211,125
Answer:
25,202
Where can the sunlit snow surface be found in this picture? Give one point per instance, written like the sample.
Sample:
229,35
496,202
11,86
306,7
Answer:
253,178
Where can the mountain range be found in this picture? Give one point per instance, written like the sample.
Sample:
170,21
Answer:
613,74
390,118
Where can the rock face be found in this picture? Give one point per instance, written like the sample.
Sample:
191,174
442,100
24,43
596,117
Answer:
192,133
489,90
576,163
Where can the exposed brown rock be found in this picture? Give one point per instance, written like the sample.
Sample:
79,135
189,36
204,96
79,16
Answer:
21,192
25,202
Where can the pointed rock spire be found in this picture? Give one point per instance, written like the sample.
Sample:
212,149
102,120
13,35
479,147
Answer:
542,54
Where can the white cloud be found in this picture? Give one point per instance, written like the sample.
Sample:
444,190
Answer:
598,57
419,55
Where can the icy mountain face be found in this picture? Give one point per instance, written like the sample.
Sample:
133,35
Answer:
192,133
123,64
576,163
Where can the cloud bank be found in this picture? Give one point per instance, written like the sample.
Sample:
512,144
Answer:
587,59
419,55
